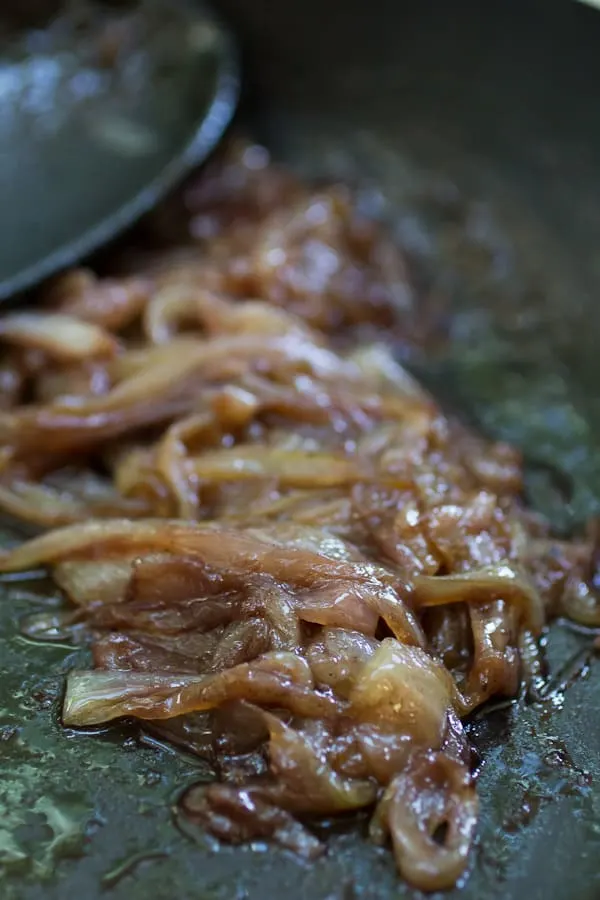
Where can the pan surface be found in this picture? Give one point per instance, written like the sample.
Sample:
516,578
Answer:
478,123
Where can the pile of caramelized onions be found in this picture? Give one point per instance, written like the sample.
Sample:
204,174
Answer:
286,558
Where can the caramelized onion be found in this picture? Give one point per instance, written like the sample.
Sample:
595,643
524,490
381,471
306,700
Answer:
307,783
433,796
498,582
239,815
581,603
405,689
287,559
49,507
236,551
279,679
495,668
94,582
337,656
63,337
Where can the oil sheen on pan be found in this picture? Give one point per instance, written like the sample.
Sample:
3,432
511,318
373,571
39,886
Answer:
287,559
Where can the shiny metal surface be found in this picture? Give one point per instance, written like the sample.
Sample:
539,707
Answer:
103,108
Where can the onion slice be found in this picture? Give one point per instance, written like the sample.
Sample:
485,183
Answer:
278,679
433,795
61,336
503,582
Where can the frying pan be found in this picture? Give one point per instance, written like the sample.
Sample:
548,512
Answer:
479,125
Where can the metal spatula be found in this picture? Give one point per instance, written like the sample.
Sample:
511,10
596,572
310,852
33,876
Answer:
103,107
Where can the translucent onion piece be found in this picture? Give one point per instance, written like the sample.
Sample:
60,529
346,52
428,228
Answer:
337,657
48,507
433,796
277,679
175,468
164,390
275,604
293,469
337,605
449,634
241,641
94,582
239,815
66,383
495,669
405,689
138,652
60,336
162,616
581,603
220,548
306,782
169,579
64,626
174,366
378,364
399,618
109,304
503,582
173,305
315,540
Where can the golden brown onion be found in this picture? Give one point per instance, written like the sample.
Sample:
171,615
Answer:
500,582
238,815
287,558
306,782
430,811
62,337
403,688
279,679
